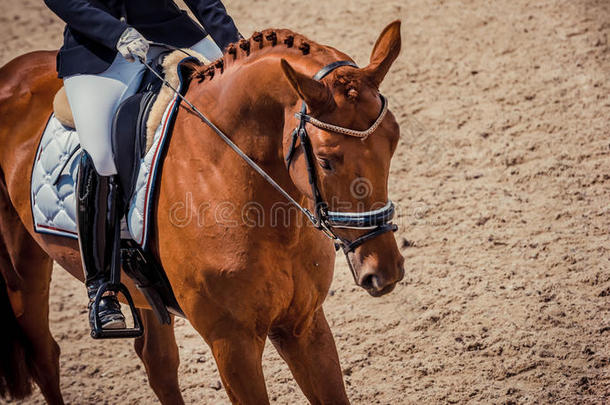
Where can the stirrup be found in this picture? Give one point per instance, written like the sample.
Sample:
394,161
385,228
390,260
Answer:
97,332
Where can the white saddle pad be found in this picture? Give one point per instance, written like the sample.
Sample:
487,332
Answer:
54,177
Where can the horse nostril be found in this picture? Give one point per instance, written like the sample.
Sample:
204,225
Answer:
370,281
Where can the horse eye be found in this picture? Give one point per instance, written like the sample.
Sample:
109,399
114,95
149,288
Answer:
325,164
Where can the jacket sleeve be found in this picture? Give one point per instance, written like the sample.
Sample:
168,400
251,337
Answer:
212,14
90,21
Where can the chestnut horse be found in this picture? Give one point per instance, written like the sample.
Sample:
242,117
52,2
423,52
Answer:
239,273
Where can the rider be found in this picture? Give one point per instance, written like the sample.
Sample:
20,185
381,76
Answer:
104,41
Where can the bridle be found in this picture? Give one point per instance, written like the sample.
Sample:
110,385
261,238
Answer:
375,222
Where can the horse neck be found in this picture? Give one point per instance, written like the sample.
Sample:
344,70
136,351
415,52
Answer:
253,103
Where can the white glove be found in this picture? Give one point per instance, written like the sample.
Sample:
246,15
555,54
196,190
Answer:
132,45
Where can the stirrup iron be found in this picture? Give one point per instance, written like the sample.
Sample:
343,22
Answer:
98,332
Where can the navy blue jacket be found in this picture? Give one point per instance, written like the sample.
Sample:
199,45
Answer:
93,28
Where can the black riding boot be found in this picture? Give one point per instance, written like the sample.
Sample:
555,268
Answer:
97,220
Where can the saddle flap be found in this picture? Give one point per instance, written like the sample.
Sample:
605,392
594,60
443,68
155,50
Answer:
129,139
129,130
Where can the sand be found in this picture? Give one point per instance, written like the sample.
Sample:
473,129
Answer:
502,178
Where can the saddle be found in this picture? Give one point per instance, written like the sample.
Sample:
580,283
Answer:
133,128
129,131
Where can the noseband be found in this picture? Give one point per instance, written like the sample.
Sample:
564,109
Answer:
376,222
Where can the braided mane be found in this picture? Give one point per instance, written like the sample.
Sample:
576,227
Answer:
249,47
349,83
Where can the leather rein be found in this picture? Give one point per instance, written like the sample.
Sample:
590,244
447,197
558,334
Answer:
375,222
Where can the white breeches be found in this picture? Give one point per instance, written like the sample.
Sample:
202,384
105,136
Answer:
94,100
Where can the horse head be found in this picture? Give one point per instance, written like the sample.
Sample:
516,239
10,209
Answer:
351,172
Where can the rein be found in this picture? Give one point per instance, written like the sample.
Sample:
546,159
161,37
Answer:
376,222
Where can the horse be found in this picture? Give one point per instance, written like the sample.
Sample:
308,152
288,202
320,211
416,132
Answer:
240,274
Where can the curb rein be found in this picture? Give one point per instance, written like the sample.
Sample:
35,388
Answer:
377,222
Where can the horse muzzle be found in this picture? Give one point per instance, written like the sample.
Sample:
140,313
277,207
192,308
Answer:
378,281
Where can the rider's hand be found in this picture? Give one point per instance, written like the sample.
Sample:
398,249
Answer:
132,45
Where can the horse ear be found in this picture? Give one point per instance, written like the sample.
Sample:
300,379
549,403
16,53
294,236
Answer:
384,53
315,94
